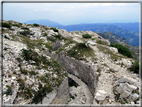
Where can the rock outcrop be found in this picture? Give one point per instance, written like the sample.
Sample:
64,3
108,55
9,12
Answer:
86,73
41,62
126,90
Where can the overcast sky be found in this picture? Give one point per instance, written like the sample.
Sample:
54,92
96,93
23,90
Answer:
73,13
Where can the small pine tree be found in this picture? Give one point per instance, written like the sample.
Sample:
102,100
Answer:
122,49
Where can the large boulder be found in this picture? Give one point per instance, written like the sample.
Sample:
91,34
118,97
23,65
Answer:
126,90
64,33
114,49
101,95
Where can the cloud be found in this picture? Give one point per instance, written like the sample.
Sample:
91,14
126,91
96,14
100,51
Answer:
67,13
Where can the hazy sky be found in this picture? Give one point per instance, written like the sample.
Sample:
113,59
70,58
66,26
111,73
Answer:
73,13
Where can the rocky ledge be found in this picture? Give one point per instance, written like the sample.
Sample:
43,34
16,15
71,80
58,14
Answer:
77,67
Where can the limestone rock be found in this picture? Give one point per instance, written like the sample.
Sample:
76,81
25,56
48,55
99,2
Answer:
114,49
100,95
134,96
124,87
64,33
6,35
125,94
93,43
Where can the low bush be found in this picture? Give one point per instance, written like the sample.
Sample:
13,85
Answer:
135,67
7,25
80,50
41,93
25,28
54,29
86,36
16,25
101,42
8,91
122,49
31,55
44,34
36,25
57,36
25,33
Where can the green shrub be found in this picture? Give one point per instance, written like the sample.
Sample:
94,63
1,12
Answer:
86,36
31,55
20,23
44,34
21,83
16,25
7,25
25,28
122,49
25,33
41,93
57,36
28,93
8,91
54,29
93,39
101,42
80,50
36,25
135,67
81,45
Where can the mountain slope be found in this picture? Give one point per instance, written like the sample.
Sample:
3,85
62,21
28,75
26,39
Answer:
113,38
129,31
37,60
131,37
134,27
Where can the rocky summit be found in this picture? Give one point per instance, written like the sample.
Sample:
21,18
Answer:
44,65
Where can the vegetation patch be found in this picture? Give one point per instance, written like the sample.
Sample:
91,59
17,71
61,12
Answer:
54,29
50,80
122,49
24,28
8,91
17,25
80,51
36,25
68,42
44,34
7,25
135,67
58,36
86,36
101,42
25,33
113,56
35,43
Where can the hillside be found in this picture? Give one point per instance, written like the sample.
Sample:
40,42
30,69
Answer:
129,31
113,38
131,37
46,65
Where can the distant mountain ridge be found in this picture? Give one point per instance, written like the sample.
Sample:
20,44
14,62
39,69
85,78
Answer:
129,31
43,22
113,38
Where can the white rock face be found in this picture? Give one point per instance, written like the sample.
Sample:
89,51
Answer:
101,95
51,32
126,88
64,33
126,62
37,32
134,96
114,49
93,43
